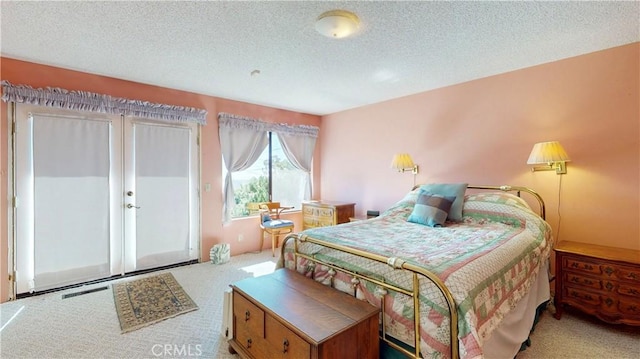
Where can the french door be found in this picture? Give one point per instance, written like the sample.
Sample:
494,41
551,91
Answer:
101,195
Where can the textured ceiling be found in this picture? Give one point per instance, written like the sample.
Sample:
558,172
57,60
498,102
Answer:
401,48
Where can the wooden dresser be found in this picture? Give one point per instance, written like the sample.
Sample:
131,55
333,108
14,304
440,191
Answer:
287,315
326,213
601,281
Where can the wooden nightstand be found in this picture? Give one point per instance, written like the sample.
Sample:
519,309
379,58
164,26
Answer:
601,281
286,315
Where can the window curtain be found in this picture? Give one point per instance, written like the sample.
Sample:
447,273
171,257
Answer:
298,147
242,140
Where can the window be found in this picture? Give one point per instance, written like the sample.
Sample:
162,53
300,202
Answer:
285,166
286,184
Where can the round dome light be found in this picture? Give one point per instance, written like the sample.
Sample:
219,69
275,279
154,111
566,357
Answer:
337,24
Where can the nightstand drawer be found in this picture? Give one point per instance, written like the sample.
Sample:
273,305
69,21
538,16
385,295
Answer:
629,307
628,274
584,266
630,290
583,296
582,280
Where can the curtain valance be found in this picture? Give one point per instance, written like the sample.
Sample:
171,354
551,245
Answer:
93,102
240,122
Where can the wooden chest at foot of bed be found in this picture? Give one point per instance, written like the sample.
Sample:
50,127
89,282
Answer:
286,315
601,281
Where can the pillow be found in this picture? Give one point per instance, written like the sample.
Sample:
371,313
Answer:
266,217
431,209
498,207
499,198
456,190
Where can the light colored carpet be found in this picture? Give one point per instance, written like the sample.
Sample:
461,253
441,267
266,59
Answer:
86,326
579,336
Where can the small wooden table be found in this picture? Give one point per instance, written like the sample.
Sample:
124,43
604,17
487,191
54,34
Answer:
286,315
326,213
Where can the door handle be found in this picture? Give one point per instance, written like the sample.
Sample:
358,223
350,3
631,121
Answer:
129,205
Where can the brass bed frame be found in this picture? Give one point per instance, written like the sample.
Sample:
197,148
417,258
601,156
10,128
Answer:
398,263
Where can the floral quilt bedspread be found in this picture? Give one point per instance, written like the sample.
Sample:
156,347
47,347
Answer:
488,261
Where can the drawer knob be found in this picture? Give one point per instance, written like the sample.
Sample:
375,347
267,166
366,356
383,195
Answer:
609,286
249,341
285,346
247,314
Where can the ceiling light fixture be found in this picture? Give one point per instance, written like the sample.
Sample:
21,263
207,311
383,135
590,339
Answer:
337,24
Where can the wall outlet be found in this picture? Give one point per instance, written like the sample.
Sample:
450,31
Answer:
240,237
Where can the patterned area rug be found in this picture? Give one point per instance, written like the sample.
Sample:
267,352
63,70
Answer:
146,301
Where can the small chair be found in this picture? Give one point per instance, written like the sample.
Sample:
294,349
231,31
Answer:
271,223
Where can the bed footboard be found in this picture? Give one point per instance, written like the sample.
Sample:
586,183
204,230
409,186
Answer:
397,264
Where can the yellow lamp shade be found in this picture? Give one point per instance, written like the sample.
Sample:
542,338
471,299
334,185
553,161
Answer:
403,162
550,153
547,152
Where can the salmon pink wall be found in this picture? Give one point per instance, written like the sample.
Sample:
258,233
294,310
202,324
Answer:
482,131
212,230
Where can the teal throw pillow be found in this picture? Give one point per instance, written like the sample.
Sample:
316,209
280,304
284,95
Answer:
431,209
456,190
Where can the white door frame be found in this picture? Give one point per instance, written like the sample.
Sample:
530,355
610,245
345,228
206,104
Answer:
117,264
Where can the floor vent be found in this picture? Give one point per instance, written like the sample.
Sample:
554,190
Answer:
69,295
